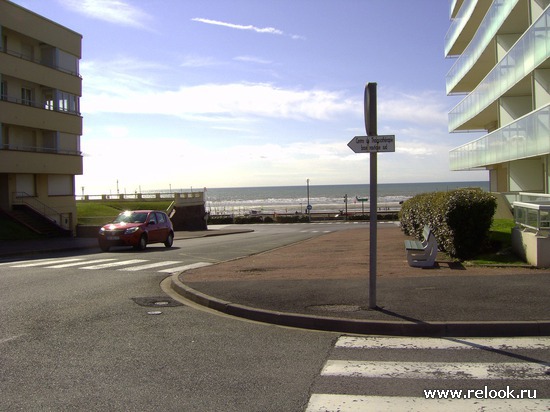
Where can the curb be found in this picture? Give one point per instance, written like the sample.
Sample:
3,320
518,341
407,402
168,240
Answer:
342,325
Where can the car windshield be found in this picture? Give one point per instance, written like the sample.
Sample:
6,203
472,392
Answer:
131,217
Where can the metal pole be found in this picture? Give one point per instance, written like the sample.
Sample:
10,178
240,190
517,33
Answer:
373,227
371,127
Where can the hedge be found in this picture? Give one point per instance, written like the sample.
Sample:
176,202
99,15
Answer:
460,219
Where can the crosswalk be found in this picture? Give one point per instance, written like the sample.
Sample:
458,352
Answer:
362,370
125,265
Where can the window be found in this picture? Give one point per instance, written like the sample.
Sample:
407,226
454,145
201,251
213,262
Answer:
26,96
67,102
161,218
3,90
25,185
60,185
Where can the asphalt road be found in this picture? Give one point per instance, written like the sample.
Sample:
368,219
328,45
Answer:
95,331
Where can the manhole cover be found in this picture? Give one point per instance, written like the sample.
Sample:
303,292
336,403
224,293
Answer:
156,301
336,308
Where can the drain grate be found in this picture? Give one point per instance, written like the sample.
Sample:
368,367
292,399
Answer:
157,302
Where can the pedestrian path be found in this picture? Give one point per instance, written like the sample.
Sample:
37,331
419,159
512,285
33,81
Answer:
126,265
397,373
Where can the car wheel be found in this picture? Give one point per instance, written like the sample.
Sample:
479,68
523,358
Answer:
169,240
142,244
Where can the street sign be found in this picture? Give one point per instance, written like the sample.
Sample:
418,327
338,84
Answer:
372,144
309,207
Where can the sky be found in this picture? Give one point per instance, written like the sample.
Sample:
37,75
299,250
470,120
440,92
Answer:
187,94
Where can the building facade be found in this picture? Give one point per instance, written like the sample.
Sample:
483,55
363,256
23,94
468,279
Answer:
40,121
502,67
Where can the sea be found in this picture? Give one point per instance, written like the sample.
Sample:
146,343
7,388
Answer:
321,198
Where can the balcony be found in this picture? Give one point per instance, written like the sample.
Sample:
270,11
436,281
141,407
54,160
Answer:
471,56
531,51
464,26
526,137
20,113
40,160
35,72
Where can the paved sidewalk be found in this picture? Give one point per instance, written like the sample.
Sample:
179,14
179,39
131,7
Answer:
322,283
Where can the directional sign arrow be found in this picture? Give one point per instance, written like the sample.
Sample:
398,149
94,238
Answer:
371,144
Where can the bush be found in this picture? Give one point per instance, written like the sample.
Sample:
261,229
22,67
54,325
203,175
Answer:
460,219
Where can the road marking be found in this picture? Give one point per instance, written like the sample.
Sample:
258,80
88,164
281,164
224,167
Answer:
355,403
186,267
85,262
379,342
114,264
43,262
435,370
151,265
9,339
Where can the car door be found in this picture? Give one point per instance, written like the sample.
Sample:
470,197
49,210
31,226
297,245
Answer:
153,228
163,226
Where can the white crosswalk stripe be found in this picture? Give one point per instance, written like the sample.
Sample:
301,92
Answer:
492,386
151,265
114,264
80,263
130,265
383,342
43,262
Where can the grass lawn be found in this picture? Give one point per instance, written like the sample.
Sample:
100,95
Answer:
500,238
99,213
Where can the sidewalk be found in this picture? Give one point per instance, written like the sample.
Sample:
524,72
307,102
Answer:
322,283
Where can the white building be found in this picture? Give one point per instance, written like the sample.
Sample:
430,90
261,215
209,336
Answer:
502,50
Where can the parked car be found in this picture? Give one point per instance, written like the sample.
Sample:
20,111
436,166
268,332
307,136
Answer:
137,228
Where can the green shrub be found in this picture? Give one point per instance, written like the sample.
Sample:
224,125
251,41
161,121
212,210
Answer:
460,219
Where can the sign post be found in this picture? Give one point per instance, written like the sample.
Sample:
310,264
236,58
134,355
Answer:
372,144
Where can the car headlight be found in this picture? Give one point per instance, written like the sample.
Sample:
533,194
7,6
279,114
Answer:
102,231
131,230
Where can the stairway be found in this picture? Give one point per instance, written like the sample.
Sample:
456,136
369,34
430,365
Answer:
36,222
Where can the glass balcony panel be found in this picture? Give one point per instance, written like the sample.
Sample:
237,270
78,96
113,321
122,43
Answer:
496,15
504,75
526,137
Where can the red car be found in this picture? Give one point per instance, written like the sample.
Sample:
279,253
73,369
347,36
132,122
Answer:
137,228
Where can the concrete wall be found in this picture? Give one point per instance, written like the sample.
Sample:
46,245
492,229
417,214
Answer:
532,248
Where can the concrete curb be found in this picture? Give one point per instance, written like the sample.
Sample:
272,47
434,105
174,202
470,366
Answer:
365,327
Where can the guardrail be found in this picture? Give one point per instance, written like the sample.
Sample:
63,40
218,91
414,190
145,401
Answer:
533,212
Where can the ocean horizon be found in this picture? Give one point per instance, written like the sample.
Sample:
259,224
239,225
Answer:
291,199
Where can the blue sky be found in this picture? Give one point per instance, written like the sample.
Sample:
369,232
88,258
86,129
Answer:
220,93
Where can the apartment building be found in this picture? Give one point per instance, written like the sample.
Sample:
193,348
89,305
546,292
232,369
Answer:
40,121
502,67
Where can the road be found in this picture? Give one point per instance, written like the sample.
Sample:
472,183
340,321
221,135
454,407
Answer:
95,331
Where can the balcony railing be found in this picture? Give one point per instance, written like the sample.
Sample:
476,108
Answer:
526,137
46,105
496,15
530,51
533,212
39,149
458,23
37,61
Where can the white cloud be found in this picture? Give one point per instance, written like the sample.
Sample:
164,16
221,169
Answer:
118,87
268,30
112,11
251,59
